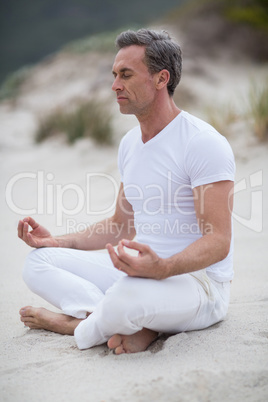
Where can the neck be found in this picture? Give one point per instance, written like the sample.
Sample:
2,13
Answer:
157,118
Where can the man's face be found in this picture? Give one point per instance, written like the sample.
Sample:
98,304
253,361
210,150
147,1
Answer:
133,84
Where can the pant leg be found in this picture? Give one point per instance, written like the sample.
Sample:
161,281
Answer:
176,304
74,281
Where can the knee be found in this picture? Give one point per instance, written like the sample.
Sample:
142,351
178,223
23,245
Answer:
32,266
123,300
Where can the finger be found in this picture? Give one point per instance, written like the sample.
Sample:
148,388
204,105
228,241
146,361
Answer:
30,240
125,257
31,222
112,254
135,245
25,231
27,237
117,262
20,229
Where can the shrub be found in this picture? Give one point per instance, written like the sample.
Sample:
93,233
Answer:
251,12
13,82
258,109
89,119
102,42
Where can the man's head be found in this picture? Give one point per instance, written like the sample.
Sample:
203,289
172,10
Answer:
161,53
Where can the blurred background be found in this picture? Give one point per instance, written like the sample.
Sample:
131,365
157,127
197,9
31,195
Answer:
40,33
59,132
33,29
55,75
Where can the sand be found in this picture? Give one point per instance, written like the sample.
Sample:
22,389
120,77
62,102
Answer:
226,362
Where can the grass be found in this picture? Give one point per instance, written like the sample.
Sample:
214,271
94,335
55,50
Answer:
89,119
258,109
251,12
10,88
221,118
102,42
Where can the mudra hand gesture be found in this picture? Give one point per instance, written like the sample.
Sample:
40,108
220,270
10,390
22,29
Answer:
38,236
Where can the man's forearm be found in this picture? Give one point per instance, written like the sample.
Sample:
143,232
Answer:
97,235
204,252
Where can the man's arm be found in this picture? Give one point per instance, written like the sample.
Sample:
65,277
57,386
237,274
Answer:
213,207
110,230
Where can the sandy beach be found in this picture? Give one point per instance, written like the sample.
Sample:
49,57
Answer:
226,362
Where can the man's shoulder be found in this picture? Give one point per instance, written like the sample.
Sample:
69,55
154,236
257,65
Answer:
199,133
196,124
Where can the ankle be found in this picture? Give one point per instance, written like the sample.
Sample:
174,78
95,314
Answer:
71,324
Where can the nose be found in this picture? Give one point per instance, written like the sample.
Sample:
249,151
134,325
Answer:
117,84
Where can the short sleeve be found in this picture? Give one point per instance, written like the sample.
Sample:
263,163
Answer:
208,159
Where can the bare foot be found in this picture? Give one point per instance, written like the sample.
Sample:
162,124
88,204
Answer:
41,318
137,342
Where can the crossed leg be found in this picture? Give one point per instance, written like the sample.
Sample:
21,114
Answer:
85,276
137,342
41,318
127,312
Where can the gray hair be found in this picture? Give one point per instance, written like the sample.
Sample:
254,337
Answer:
161,52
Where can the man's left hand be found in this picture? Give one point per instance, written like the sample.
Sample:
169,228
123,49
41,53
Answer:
146,264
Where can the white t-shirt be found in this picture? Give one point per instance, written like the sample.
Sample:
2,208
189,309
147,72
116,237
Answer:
158,178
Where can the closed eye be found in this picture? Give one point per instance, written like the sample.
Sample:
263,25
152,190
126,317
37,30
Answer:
124,73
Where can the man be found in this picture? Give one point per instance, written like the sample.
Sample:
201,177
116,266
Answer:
177,181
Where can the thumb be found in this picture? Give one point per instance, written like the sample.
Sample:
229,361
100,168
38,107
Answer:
31,222
135,245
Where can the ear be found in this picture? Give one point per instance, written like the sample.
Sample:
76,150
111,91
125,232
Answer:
162,79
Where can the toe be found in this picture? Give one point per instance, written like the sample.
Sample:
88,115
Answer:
119,350
26,311
114,342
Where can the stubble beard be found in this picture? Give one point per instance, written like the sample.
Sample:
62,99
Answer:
132,109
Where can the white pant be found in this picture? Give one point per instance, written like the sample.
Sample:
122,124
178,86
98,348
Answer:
78,282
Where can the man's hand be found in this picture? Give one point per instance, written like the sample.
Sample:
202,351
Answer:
146,265
38,236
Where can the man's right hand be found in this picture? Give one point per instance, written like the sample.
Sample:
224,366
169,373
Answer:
38,236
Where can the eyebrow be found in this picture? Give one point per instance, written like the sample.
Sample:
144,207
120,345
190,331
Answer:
123,70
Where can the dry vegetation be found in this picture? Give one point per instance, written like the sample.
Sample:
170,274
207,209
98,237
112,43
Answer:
89,119
258,109
229,28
